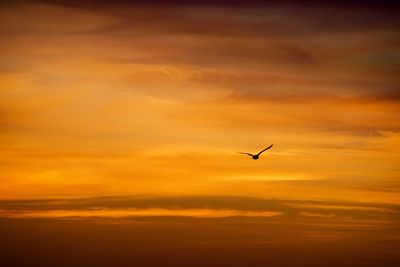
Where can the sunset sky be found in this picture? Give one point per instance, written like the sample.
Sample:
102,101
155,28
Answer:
132,112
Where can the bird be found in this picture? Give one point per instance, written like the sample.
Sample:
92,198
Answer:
256,156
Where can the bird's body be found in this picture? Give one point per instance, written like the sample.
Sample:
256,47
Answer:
256,156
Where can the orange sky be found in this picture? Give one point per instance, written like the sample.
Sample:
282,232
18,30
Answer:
157,100
120,124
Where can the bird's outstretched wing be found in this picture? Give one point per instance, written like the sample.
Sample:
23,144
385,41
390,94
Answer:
264,149
246,153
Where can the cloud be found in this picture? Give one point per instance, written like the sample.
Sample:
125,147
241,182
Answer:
152,98
320,215
149,103
234,240
202,206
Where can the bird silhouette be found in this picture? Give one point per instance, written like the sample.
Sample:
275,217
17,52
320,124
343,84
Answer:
256,156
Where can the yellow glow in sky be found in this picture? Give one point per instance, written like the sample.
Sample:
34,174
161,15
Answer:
105,105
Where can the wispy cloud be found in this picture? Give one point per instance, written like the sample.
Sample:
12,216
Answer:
201,206
148,104
154,99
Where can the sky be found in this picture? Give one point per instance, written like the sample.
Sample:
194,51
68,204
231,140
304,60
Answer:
131,114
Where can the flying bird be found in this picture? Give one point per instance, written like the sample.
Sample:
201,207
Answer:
256,156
